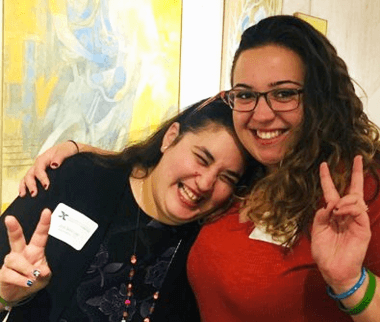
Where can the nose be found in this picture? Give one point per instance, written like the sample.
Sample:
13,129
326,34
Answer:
263,112
205,180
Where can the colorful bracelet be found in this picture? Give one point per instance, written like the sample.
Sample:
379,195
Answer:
368,296
73,142
351,291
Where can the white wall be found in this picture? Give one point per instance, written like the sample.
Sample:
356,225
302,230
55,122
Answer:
353,28
201,48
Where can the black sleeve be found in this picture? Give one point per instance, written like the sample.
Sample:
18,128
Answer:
86,187
27,210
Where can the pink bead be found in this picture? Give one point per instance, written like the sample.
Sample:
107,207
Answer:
127,302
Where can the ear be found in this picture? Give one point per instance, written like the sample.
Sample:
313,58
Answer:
170,135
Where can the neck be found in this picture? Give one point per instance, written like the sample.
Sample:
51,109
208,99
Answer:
141,187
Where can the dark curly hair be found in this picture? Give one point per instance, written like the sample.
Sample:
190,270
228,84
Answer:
335,129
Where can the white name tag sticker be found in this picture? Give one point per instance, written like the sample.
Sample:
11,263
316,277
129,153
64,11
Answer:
259,234
71,226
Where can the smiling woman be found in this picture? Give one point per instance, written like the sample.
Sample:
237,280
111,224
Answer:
196,176
267,134
314,219
145,202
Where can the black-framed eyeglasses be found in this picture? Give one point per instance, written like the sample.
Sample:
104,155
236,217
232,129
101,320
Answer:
245,100
279,99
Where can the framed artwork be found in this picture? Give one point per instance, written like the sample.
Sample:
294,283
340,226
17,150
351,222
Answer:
238,16
318,23
96,71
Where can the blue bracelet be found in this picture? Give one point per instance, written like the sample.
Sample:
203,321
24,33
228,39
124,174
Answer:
338,297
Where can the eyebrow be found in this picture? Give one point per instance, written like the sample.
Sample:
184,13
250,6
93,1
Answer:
212,159
288,81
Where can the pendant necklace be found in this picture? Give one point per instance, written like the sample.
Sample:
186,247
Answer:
132,272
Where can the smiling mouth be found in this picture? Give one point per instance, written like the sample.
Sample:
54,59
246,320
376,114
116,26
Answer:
268,135
188,195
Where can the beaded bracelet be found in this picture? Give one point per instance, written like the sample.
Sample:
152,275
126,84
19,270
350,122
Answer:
351,291
76,145
368,296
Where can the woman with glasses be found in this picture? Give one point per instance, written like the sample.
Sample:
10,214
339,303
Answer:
307,224
304,244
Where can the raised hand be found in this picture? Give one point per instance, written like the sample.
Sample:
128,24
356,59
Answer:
341,231
25,269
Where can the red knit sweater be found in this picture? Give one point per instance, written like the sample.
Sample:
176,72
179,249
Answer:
236,278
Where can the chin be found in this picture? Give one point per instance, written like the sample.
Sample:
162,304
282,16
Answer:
183,219
269,162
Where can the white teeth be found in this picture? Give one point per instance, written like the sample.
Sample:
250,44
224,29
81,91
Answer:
268,135
188,193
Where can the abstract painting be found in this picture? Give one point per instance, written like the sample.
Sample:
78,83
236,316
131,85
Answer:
103,72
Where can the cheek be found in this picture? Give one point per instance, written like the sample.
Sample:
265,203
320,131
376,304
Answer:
180,168
240,122
221,193
237,119
297,125
296,121
299,115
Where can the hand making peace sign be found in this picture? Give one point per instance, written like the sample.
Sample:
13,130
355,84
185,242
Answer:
341,231
25,270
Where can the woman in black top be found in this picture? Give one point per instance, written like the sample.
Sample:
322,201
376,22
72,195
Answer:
144,202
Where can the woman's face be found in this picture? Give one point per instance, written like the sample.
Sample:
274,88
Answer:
266,134
196,175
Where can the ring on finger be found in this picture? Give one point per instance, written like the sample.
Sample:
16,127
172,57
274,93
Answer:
36,273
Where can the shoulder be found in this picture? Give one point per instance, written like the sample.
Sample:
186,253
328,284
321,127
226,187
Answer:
83,169
86,185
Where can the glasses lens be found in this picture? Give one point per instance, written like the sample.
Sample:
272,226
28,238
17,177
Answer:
284,99
242,100
281,99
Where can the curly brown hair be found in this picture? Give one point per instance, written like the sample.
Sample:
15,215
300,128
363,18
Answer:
335,129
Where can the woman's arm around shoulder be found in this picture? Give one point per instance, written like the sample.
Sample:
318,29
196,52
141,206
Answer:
52,158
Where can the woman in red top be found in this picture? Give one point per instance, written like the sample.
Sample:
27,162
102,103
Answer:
271,259
308,222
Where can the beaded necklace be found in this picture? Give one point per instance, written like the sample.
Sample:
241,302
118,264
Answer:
132,272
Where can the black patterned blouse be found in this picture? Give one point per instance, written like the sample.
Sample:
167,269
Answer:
102,292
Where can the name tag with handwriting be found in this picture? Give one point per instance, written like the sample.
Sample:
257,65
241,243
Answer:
71,226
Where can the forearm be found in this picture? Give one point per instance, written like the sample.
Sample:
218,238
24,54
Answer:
89,148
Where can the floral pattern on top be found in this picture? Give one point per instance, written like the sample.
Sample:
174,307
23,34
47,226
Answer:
101,294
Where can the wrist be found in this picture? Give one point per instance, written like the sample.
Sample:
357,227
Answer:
359,301
7,305
75,144
343,289
4,304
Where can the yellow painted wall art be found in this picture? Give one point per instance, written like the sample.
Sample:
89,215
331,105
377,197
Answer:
96,71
